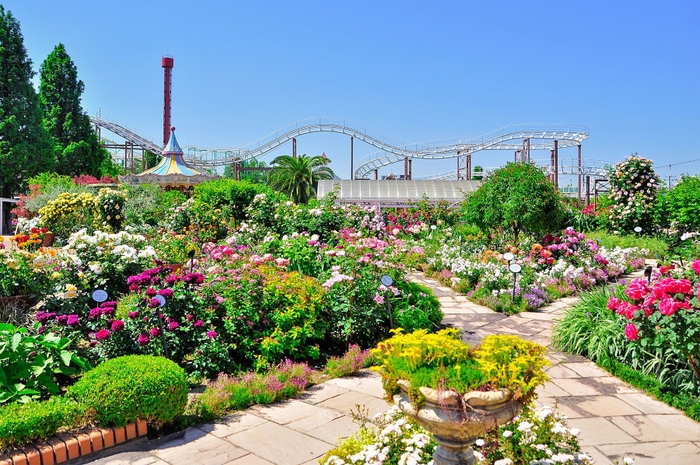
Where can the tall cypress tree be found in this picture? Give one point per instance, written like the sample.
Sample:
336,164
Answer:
25,147
60,91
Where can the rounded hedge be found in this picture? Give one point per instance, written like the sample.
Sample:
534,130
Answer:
133,387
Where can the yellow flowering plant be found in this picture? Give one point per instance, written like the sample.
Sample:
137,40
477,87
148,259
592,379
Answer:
68,213
109,206
443,362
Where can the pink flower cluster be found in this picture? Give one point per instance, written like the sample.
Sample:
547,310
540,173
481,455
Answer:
667,295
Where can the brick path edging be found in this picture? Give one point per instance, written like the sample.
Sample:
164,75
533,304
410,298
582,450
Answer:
67,446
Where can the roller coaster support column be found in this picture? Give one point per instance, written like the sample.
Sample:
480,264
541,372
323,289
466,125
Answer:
410,168
556,163
551,165
376,175
352,158
588,190
294,147
167,63
579,172
528,150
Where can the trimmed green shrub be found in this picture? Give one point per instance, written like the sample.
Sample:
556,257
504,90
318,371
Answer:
656,247
21,423
133,387
227,193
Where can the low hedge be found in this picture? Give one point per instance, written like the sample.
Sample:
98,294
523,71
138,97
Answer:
22,423
133,387
120,391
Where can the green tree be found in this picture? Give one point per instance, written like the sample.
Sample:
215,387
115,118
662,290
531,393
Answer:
515,199
257,177
298,177
25,147
478,173
60,91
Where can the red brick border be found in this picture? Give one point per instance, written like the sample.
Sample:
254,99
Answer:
67,446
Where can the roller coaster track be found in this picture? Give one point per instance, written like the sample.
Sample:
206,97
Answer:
567,167
390,150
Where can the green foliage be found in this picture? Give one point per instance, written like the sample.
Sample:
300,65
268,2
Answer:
657,247
256,177
230,393
349,364
415,307
25,146
133,387
109,209
60,90
49,180
515,199
443,361
22,423
150,205
229,194
679,208
298,177
31,365
633,188
512,363
590,329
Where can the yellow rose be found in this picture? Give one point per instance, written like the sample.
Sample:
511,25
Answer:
55,275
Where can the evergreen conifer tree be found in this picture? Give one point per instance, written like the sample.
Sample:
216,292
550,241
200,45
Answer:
25,147
78,149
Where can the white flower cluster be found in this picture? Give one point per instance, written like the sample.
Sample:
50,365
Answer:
122,246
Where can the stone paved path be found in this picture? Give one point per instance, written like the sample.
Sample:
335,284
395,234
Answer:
615,419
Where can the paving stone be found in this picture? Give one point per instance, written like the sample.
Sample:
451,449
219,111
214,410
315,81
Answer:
324,417
598,456
551,390
575,387
537,315
291,411
250,459
599,431
560,371
604,406
339,428
349,401
587,370
660,427
655,453
280,445
128,458
610,385
321,392
197,447
231,424
646,404
368,382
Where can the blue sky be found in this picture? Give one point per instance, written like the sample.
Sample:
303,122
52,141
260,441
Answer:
413,70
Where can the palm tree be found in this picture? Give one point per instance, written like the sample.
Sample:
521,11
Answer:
298,177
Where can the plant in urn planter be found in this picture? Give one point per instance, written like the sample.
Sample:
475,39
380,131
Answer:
457,392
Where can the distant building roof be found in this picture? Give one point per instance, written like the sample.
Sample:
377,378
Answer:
396,192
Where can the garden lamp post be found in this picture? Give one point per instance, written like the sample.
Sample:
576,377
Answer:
387,281
515,268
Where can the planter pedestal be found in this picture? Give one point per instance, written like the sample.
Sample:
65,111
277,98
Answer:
456,429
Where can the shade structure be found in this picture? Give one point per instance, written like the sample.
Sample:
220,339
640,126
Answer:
172,171
396,192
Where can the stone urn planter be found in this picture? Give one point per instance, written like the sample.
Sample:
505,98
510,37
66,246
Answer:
457,421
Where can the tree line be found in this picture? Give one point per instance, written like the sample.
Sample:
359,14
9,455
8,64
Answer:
45,130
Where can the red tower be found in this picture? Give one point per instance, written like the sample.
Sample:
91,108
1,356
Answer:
167,64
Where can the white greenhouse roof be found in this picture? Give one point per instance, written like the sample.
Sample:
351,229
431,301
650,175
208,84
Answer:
396,190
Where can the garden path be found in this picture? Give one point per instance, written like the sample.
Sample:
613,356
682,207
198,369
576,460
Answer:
615,419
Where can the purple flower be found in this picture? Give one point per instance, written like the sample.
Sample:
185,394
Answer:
154,303
62,319
108,311
73,320
155,332
198,323
150,292
117,325
211,334
133,287
173,325
102,334
133,314
167,293
109,304
43,317
143,339
189,317
95,313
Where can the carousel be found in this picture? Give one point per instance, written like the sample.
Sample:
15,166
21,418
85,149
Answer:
172,172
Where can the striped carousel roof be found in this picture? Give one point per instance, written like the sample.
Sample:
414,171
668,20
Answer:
172,161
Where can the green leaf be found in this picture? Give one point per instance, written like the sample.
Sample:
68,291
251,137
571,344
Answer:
66,357
16,339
